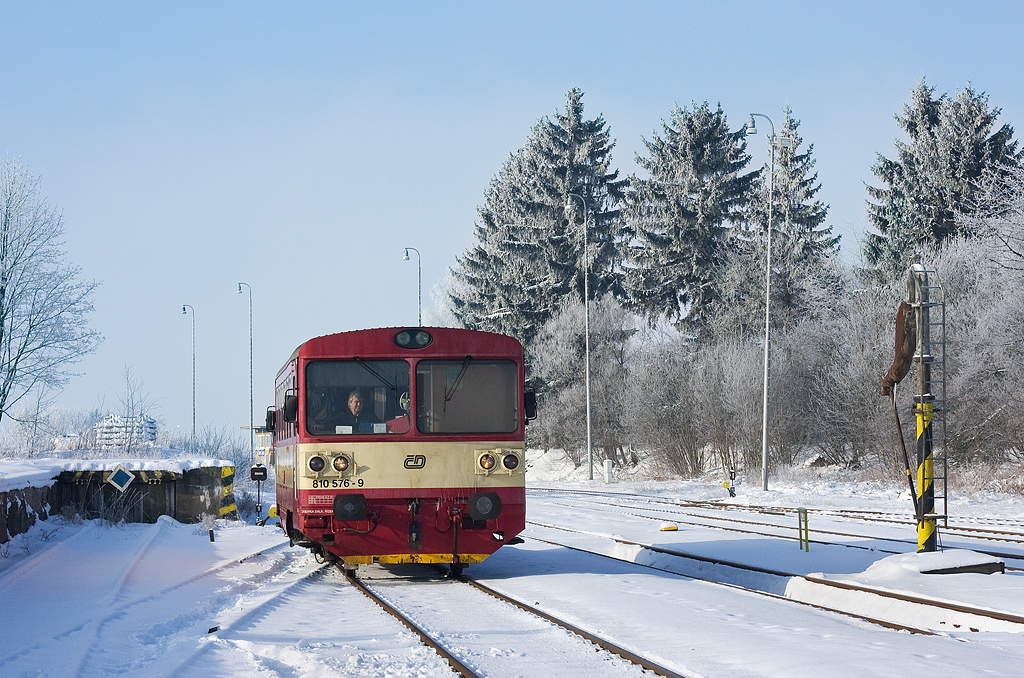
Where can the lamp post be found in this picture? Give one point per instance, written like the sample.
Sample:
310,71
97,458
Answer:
252,434
184,312
772,142
586,324
419,284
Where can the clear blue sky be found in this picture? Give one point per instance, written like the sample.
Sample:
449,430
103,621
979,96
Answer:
300,146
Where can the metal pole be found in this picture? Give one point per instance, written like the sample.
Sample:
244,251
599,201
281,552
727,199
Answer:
926,530
767,299
803,529
252,404
419,284
184,312
586,331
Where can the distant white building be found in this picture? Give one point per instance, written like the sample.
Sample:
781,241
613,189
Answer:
117,431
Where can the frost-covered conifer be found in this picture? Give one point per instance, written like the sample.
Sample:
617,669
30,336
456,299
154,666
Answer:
936,175
682,214
797,216
529,252
802,248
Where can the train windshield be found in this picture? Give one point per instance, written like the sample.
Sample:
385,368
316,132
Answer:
345,397
467,396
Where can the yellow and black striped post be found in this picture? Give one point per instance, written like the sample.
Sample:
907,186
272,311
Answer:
926,535
228,509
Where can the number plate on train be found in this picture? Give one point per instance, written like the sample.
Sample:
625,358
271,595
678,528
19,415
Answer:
337,483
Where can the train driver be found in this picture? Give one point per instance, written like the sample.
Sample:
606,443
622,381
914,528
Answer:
357,416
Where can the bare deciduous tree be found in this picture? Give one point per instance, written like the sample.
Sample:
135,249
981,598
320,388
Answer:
557,358
136,406
43,304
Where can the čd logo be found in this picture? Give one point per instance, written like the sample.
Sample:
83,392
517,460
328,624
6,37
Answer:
415,461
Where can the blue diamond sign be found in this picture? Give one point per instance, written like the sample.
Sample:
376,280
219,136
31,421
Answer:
120,478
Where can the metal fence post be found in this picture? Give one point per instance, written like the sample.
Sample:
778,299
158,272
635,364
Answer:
803,530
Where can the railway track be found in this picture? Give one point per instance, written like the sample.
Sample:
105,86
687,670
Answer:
677,511
469,663
949,616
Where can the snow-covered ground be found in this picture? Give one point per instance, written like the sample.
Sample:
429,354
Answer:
163,600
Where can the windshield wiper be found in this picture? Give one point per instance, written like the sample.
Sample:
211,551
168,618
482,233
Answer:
380,377
455,385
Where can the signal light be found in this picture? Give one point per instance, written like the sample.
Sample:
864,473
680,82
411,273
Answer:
413,339
340,464
317,463
487,461
510,462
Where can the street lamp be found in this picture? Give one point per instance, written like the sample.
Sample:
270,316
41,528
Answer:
586,323
184,312
419,284
772,142
252,434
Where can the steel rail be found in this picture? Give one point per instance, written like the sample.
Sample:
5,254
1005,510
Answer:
997,554
928,602
879,622
463,670
457,665
586,635
858,514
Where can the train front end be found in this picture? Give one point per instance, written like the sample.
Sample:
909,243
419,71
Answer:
403,445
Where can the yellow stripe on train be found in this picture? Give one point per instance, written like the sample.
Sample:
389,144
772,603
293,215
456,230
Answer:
421,558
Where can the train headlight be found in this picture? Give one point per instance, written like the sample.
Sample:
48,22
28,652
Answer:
340,464
510,461
317,463
486,461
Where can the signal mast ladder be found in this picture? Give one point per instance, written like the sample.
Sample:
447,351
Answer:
930,360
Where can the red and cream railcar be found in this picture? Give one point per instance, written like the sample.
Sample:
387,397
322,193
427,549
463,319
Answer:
402,445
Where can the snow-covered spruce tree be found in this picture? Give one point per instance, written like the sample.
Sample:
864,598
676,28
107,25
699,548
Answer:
529,254
43,305
803,249
952,146
682,214
494,284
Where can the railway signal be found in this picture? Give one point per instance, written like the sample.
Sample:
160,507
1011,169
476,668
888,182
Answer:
915,345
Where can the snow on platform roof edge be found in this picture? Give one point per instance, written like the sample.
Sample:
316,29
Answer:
17,474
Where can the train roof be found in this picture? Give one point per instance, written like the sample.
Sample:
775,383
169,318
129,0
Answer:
379,343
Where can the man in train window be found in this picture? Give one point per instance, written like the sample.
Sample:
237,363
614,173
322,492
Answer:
357,416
